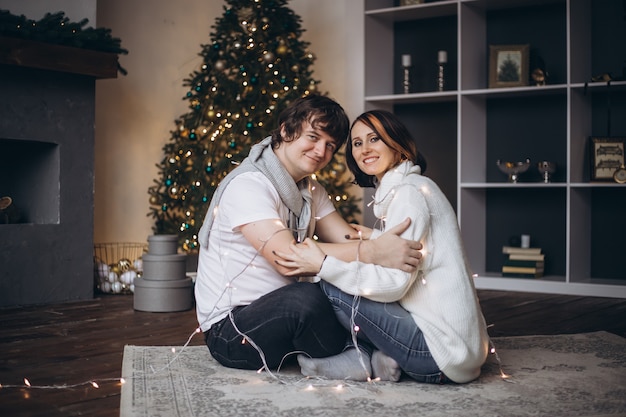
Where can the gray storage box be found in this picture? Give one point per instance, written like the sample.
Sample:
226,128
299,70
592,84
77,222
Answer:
164,267
162,244
163,296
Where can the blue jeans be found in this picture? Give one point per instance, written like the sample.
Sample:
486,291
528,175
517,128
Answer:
389,328
293,319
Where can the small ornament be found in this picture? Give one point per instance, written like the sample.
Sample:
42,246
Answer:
112,277
124,264
138,264
103,270
173,191
538,76
105,286
442,60
620,175
128,277
116,287
269,57
406,72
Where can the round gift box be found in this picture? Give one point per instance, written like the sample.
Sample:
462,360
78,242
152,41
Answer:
163,296
164,267
162,244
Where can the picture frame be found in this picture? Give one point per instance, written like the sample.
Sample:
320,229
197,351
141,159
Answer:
607,156
508,65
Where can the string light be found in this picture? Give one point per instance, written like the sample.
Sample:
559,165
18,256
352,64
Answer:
228,288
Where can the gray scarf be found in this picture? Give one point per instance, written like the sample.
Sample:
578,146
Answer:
297,197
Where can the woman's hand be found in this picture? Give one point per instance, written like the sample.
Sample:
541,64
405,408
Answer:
304,259
360,232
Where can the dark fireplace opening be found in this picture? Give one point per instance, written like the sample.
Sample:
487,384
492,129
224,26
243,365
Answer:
30,177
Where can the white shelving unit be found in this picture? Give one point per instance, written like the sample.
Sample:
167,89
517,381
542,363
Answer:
463,130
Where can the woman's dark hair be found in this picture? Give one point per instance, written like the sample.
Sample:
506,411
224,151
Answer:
321,112
394,134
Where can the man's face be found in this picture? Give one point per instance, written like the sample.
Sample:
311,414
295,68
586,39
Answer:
306,154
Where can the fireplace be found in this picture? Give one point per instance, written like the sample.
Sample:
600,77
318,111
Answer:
47,112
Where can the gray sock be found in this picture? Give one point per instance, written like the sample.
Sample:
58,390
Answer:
345,365
385,367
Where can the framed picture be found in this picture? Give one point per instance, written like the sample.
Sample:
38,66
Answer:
508,65
607,156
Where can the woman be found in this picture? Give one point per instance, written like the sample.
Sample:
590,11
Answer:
426,324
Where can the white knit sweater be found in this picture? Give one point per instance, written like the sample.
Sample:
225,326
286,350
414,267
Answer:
440,296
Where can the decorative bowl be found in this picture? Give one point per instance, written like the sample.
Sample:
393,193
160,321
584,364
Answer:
513,169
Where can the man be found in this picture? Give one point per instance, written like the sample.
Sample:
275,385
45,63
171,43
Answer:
252,315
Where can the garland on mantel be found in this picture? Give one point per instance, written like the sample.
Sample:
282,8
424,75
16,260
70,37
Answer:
56,28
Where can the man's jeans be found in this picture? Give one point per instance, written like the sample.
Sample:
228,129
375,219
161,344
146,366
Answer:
294,319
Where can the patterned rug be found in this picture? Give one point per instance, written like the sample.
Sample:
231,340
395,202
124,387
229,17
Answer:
565,375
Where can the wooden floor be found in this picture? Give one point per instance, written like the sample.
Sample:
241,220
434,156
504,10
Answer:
78,342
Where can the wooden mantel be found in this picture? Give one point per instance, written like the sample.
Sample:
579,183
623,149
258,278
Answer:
46,56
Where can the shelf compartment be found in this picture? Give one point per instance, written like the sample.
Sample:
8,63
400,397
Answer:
485,23
597,32
526,127
598,230
388,37
538,212
491,217
590,117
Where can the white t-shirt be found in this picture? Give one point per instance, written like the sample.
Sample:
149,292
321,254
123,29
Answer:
231,272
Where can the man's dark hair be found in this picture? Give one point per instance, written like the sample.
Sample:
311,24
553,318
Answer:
321,112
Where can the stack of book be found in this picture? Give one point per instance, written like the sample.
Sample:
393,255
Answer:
523,262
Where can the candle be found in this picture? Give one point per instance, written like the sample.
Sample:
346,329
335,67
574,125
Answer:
442,57
406,60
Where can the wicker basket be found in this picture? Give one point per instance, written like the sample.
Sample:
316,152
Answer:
116,265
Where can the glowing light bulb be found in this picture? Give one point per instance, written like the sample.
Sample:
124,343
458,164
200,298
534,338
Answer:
356,328
94,384
27,382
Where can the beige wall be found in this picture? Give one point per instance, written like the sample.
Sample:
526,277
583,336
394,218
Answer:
135,113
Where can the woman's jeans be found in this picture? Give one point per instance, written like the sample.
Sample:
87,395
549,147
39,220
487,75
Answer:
389,328
293,319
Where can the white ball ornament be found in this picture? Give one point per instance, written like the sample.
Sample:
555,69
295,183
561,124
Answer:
117,287
138,264
132,287
112,276
103,270
105,286
128,277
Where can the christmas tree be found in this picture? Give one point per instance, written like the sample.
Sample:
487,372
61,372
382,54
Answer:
254,65
509,70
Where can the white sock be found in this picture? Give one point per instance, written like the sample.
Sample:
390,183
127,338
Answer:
345,365
385,367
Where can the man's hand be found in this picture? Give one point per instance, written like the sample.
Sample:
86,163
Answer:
390,250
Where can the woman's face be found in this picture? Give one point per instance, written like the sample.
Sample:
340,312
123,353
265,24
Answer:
371,154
